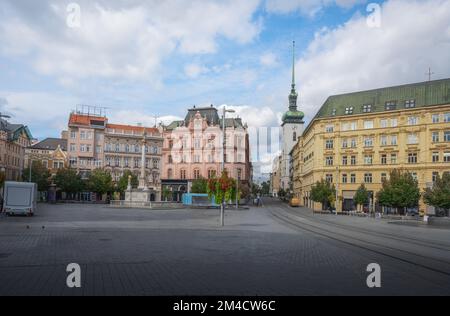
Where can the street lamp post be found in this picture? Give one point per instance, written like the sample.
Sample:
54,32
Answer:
222,206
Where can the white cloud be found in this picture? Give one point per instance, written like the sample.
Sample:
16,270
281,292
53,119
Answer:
355,57
268,59
307,7
195,70
121,39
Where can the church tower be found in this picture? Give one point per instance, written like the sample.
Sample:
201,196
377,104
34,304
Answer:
292,127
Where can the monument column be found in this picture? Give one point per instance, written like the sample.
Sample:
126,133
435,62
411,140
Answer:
142,182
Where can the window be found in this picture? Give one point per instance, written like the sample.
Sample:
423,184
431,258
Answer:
413,139
73,134
170,159
73,161
344,143
447,136
447,156
117,147
353,143
349,110
413,120
435,118
117,161
196,174
126,162
183,174
447,117
434,176
329,160
82,135
329,144
83,148
353,178
367,108
353,160
72,147
196,158
393,159
435,156
211,173
368,124
390,105
344,178
329,178
368,142
294,136
383,123
368,159
383,140
169,173
368,178
394,140
344,160
435,137
98,149
383,159
412,158
127,148
333,113
197,143
383,177
410,104
136,163
394,122
329,128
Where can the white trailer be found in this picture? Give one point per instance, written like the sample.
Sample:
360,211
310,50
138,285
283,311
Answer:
19,198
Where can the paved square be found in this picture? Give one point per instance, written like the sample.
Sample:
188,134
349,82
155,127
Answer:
184,252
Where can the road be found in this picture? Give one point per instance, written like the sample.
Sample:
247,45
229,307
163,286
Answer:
273,250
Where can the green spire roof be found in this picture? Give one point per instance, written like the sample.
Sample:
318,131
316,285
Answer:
293,115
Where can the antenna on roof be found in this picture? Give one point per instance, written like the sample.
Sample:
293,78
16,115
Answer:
429,74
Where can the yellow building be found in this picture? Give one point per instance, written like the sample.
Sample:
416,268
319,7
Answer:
360,137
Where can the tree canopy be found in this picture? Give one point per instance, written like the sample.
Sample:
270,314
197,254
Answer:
39,175
439,195
361,196
400,191
100,182
68,180
323,192
122,184
199,186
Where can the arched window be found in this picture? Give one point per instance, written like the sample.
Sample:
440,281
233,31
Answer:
196,173
183,174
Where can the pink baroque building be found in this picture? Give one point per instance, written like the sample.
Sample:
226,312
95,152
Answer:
192,149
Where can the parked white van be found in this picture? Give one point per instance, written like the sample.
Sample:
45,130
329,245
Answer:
19,198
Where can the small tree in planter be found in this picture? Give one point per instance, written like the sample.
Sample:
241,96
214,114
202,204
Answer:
223,189
439,195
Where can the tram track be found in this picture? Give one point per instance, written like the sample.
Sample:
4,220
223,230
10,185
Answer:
425,262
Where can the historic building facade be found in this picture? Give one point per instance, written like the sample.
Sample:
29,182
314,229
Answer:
360,137
51,152
95,143
14,138
193,149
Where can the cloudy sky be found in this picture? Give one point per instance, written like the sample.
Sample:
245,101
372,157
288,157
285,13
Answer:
146,58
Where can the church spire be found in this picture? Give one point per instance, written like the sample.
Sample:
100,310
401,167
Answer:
293,95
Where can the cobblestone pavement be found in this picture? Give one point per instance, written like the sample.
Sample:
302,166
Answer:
184,252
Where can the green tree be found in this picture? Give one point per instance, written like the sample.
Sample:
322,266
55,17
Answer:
323,192
122,184
199,186
100,182
39,175
281,193
439,195
361,196
400,191
166,193
265,188
68,181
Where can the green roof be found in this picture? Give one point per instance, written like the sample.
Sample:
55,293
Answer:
424,94
293,117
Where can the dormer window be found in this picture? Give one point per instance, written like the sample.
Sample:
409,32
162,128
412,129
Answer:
349,110
410,104
390,105
367,108
333,113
